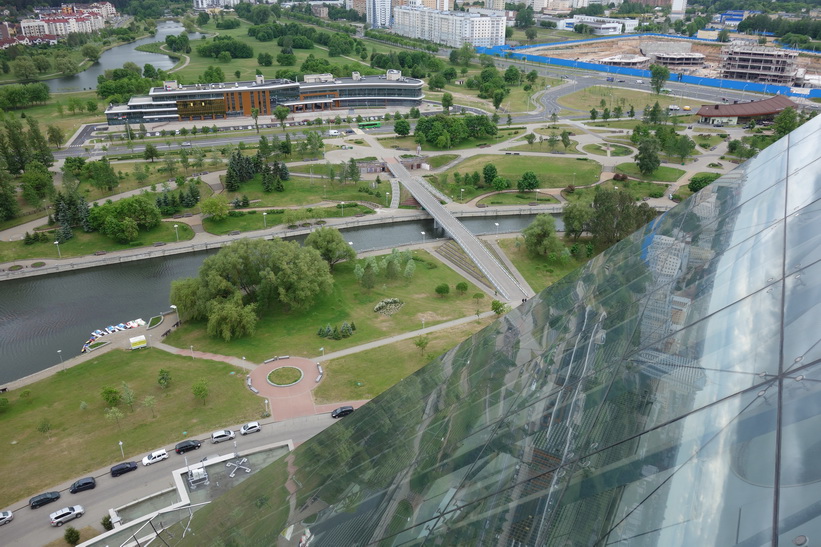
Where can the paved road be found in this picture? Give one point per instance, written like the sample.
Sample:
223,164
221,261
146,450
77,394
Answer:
496,274
31,526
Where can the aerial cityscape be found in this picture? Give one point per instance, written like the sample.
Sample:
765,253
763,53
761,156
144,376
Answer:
409,272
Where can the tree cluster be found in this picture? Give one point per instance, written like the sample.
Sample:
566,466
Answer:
15,96
384,36
120,84
447,131
247,277
415,63
19,147
226,44
179,43
170,203
393,266
123,219
701,181
71,211
337,333
616,215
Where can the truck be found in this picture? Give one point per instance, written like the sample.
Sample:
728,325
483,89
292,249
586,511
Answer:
333,133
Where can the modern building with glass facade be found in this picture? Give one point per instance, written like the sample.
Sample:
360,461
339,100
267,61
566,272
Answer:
666,394
316,93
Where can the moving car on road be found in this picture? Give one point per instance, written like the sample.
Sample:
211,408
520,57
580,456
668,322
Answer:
341,412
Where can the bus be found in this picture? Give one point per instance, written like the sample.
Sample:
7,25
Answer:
369,125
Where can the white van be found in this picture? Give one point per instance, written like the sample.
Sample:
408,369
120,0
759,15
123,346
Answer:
333,133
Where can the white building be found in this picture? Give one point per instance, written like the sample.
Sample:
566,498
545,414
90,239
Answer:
452,29
378,13
602,26
678,9
509,15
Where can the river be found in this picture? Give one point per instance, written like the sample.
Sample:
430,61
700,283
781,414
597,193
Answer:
42,315
117,56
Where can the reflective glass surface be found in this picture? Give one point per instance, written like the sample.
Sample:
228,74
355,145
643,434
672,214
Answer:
668,393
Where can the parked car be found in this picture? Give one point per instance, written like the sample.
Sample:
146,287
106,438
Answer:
86,483
610,79
58,518
250,427
123,468
154,457
639,81
187,446
221,436
6,517
42,499
341,412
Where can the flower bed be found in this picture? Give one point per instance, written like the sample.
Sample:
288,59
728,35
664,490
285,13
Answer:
284,376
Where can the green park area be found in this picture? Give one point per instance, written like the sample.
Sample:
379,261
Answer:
248,221
517,199
366,374
295,333
639,189
67,413
301,191
602,150
408,143
536,270
67,111
84,244
544,144
592,97
662,174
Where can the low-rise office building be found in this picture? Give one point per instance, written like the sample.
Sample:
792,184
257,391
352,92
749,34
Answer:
317,93
731,114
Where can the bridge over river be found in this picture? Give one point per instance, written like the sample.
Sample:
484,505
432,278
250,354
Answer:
506,286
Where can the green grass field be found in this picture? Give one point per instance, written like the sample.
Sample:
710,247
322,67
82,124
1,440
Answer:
301,191
290,333
637,188
537,271
591,97
48,114
83,244
544,146
518,199
662,174
409,144
254,220
364,374
552,172
81,440
615,150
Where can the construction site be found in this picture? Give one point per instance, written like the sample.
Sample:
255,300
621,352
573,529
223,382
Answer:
740,60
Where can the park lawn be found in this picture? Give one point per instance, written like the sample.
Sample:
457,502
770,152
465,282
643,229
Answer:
616,124
439,160
544,147
301,191
552,172
125,171
48,113
81,441
83,244
253,220
407,143
537,271
281,332
637,188
517,198
364,375
709,140
591,97
662,174
86,533
599,150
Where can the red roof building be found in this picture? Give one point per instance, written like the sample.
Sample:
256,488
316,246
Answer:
744,112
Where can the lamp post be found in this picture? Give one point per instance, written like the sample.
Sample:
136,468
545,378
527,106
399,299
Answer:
461,194
192,353
264,220
60,354
497,229
177,231
386,198
322,349
343,209
574,179
122,452
423,237
59,255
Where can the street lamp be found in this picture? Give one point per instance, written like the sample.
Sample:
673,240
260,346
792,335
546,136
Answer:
461,194
177,231
497,229
264,220
386,198
58,249
343,209
322,349
192,353
574,179
121,450
60,354
423,237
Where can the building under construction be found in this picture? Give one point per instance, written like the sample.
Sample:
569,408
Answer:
759,64
675,55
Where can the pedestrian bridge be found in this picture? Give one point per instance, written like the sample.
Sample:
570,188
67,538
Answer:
506,286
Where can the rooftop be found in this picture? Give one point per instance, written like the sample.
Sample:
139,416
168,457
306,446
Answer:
773,105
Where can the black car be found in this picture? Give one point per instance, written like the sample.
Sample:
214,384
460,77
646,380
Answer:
123,468
341,411
86,483
43,499
187,446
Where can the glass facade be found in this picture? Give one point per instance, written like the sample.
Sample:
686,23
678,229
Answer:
664,394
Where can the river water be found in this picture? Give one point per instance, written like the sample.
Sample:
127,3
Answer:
43,314
116,57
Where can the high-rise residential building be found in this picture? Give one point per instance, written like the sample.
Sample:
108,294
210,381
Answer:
449,28
378,13
677,10
668,393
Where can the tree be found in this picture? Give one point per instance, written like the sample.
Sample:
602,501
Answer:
499,308
700,181
55,135
785,122
421,343
114,414
91,52
501,183
200,390
443,290
44,427
9,207
478,297
164,377
265,59
281,113
723,36
466,53
647,160
37,182
576,217
111,395
25,69
489,173
151,152
150,402
255,115
402,128
531,34
553,140
528,182
594,114
616,216
530,138
37,143
331,245
540,236
658,77
565,136
447,102
461,287
128,396
684,147
72,535
216,206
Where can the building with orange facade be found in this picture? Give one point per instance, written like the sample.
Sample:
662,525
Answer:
316,93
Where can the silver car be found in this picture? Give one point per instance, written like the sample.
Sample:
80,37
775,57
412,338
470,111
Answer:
220,436
58,518
250,427
6,517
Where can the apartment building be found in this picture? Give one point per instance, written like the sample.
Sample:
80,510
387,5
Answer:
759,64
378,13
452,29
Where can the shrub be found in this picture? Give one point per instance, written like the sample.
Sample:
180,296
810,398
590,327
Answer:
388,306
106,523
72,536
